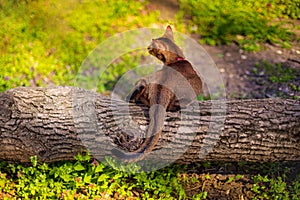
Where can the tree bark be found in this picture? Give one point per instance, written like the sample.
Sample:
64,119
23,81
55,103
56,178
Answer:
57,123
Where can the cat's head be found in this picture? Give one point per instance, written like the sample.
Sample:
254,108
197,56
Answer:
165,49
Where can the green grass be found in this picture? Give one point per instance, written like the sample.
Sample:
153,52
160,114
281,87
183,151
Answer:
86,178
276,72
247,22
45,42
275,188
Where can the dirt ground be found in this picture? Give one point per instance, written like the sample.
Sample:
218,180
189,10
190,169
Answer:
242,79
238,67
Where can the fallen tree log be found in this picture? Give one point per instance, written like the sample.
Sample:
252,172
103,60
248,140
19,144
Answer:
57,123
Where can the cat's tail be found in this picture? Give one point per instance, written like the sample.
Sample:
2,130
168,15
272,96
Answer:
157,115
136,155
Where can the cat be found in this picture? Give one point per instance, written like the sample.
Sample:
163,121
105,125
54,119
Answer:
163,90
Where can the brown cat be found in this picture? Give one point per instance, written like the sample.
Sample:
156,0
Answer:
174,86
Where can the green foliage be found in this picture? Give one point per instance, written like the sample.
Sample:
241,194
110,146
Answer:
276,72
248,22
85,179
45,42
290,8
230,179
275,188
202,195
118,68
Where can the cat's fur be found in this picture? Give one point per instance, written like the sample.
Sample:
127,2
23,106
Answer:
174,86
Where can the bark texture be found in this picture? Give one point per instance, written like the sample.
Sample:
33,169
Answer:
57,123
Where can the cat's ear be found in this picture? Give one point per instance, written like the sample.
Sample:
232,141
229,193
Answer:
169,33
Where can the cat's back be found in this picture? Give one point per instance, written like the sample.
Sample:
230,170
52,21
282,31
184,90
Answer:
188,73
184,67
